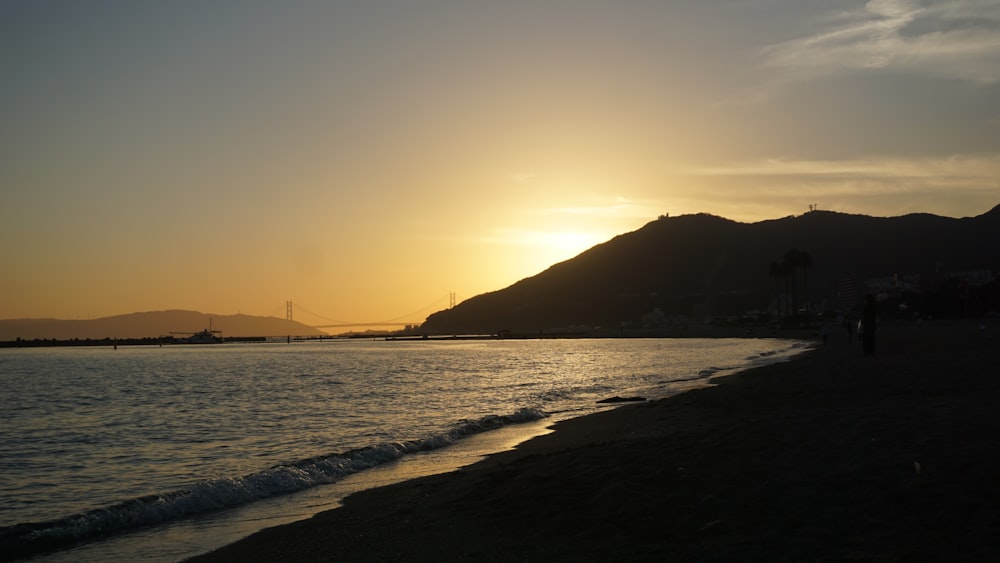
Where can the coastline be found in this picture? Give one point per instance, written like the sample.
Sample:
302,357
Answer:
832,455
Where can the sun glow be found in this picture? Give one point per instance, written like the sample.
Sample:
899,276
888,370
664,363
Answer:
533,251
568,244
378,159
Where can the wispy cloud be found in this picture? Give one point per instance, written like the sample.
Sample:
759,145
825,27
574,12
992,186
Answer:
964,167
522,177
956,39
957,185
561,240
621,208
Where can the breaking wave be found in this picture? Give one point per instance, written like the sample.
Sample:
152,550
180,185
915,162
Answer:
24,539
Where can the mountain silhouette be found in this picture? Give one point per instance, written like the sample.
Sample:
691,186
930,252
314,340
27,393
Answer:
704,265
150,325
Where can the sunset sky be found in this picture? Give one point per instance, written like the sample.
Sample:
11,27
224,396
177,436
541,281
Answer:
366,158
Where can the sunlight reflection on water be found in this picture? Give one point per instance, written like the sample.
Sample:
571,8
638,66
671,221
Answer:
89,428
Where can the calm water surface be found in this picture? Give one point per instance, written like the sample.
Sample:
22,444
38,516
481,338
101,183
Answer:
96,442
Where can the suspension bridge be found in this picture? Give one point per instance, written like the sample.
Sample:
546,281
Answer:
401,320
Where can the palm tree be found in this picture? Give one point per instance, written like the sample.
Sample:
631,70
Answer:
806,263
791,264
776,271
788,269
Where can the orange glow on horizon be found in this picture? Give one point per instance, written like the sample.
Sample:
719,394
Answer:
366,162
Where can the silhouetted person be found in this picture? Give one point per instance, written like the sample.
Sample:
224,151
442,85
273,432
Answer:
868,316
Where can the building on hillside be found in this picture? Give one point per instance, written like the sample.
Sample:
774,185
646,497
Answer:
848,294
975,278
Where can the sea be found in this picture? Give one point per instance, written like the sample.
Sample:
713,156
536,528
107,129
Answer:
159,453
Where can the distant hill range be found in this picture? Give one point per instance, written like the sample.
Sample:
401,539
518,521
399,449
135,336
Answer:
150,325
703,266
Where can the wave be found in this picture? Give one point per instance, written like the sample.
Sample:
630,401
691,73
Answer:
21,540
708,372
757,360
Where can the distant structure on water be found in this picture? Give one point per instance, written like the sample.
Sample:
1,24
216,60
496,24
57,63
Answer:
206,336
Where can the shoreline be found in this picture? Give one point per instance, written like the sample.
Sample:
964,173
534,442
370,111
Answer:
832,455
687,331
175,538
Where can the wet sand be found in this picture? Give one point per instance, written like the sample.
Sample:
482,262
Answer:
833,456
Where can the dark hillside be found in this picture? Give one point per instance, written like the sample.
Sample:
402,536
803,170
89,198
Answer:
702,265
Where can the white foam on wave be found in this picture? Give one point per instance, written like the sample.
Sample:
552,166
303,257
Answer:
216,494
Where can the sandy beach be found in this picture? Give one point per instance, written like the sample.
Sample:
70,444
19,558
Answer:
833,456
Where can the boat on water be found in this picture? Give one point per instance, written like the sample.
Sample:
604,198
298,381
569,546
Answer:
207,336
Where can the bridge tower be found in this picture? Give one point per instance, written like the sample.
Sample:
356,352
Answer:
288,310
451,300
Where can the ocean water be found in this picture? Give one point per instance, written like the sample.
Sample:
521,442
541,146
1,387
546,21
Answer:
159,453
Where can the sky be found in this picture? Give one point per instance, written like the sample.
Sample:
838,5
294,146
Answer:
367,160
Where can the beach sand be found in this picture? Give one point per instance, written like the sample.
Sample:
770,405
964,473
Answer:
832,456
